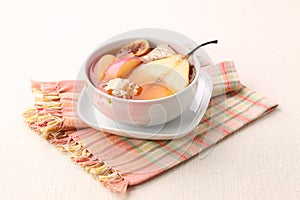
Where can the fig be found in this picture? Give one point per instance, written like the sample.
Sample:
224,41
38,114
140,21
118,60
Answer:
137,47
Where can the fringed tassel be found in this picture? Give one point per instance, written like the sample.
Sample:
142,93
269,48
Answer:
99,170
44,124
46,119
117,184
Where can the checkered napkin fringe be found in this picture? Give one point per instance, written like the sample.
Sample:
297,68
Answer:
119,162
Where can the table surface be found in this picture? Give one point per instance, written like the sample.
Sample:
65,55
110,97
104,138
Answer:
50,40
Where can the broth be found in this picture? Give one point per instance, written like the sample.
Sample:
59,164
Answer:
150,87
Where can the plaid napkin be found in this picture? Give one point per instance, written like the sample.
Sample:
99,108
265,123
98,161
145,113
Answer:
119,162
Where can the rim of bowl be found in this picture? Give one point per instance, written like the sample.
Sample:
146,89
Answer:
87,68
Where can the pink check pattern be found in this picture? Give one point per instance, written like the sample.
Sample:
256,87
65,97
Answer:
119,162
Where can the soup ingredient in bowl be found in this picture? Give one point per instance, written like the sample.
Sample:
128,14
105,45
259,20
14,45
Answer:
153,91
159,52
120,68
172,71
122,88
126,55
102,63
138,47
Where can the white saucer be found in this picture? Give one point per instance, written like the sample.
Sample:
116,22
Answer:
176,128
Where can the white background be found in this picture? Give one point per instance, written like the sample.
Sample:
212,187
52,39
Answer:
49,40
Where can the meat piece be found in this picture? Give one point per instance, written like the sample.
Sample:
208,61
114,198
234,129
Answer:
161,51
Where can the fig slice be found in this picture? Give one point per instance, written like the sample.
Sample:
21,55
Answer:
138,47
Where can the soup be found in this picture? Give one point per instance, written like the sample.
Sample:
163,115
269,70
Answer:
140,72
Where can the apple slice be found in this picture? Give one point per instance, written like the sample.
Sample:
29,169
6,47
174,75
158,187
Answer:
172,71
120,68
102,63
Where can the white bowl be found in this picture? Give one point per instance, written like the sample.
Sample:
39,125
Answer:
140,112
